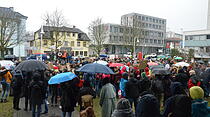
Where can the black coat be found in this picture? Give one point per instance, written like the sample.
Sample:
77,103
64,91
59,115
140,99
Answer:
131,88
37,92
69,97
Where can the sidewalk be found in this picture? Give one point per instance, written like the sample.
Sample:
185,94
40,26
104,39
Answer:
53,111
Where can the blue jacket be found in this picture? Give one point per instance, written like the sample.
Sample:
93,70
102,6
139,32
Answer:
200,108
122,86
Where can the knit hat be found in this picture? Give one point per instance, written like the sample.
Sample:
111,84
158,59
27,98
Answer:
196,92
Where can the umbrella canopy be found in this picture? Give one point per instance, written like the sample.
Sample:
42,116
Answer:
200,62
101,62
7,64
182,64
161,56
127,68
156,66
95,68
116,65
178,58
31,65
62,77
160,71
152,63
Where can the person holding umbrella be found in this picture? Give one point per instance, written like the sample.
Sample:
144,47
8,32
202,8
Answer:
37,94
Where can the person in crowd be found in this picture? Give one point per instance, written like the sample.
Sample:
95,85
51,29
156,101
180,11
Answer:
182,77
54,94
123,109
144,84
194,80
37,94
148,106
157,86
16,85
176,90
132,90
123,80
107,98
180,106
199,105
69,97
86,96
27,92
6,81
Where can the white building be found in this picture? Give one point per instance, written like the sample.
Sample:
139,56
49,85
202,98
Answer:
19,28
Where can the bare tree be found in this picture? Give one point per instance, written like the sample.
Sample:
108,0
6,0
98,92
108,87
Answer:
97,33
132,35
56,21
11,29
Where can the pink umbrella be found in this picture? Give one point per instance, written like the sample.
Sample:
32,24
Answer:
152,64
116,65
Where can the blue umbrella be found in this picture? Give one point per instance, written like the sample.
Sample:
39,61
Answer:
62,77
95,68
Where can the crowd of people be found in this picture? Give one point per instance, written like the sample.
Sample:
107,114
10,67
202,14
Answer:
130,92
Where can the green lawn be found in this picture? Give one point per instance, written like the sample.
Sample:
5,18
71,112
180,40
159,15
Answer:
6,109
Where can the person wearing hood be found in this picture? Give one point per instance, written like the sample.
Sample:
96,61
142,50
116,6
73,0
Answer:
132,90
123,80
144,83
176,90
148,106
199,105
123,109
107,98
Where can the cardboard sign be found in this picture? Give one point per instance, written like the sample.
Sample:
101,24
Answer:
142,64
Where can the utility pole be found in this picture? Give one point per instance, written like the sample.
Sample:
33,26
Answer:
41,36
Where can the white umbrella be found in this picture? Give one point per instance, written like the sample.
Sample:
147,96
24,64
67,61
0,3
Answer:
101,62
7,64
182,64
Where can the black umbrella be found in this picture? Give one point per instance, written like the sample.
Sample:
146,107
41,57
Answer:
95,68
31,65
160,71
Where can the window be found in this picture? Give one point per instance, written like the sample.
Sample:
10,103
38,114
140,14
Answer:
52,42
73,34
116,29
121,38
78,43
146,25
68,34
84,44
150,25
155,41
143,18
146,18
85,53
150,19
59,43
153,20
72,43
110,38
81,53
146,40
45,42
121,30
76,53
151,40
66,43
159,41
110,28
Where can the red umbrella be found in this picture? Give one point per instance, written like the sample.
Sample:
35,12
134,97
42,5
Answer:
152,64
116,65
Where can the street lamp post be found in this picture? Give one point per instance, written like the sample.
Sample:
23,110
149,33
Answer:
41,36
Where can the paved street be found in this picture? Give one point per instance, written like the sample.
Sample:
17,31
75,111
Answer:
53,112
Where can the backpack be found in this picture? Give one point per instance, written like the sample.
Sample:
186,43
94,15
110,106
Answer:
36,91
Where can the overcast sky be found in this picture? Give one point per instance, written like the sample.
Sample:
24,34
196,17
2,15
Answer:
186,14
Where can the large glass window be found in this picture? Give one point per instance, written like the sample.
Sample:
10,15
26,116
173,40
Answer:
76,53
72,43
81,53
78,44
84,44
85,53
66,43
